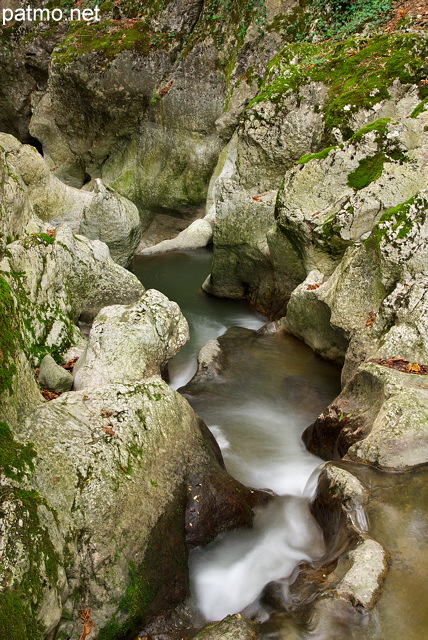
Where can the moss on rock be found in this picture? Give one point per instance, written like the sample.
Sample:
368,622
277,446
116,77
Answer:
9,337
358,72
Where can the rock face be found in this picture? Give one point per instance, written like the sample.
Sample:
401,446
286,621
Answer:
345,260
48,283
96,212
95,484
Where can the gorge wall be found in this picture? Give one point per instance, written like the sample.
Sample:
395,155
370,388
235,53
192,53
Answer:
299,133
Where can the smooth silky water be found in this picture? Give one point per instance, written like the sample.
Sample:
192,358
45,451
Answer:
272,388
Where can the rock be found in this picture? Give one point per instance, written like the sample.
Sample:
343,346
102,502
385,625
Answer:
129,343
327,200
213,508
362,581
97,212
114,220
54,377
379,418
16,212
47,285
198,234
231,628
354,566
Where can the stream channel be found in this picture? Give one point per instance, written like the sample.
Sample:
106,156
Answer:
257,408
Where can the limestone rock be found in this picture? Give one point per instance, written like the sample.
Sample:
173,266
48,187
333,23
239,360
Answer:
48,284
54,377
129,343
114,220
99,213
231,628
380,418
198,234
327,200
363,580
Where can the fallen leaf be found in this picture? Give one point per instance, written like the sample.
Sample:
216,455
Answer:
399,364
85,616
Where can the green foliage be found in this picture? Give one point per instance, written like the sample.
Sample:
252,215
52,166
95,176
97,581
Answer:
339,18
219,15
368,170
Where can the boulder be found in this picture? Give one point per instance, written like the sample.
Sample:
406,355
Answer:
47,284
113,219
53,377
380,418
128,343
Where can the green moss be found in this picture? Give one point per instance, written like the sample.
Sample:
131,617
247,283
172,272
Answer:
394,221
9,337
357,73
28,547
15,459
109,38
315,156
380,126
35,324
368,170
17,621
422,106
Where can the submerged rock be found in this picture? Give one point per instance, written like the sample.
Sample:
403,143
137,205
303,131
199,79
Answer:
231,628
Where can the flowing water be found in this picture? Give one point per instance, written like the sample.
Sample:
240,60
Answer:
272,388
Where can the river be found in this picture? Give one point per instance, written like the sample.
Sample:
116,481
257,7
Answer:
274,386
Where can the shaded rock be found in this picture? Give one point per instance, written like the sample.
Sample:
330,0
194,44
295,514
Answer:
354,565
231,628
379,418
54,377
98,213
218,503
